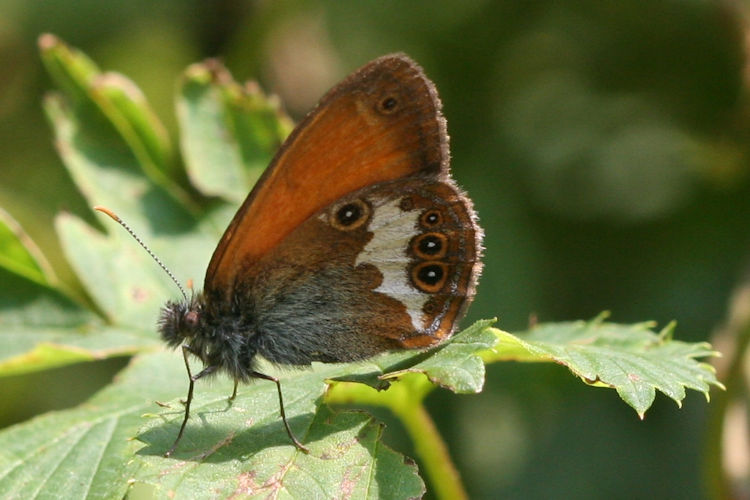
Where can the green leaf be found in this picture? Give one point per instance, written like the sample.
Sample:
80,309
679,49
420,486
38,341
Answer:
237,447
26,349
347,458
310,385
632,359
242,446
244,443
19,254
123,107
104,174
455,365
127,109
41,326
71,69
229,133
114,150
82,451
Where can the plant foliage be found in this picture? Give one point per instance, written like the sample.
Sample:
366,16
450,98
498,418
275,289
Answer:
118,154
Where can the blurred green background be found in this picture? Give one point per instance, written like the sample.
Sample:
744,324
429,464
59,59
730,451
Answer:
605,146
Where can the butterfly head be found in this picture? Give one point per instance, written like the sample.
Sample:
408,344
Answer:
181,321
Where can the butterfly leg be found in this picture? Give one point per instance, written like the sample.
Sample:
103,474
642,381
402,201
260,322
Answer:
190,350
294,439
192,378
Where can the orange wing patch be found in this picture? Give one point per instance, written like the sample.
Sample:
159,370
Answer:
381,123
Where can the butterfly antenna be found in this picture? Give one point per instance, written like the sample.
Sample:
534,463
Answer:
121,222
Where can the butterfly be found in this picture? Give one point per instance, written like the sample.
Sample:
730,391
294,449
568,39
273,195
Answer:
354,241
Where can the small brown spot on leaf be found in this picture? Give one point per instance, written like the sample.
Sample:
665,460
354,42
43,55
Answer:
349,482
139,294
246,485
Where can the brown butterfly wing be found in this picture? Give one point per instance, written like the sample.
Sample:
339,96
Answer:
381,123
395,270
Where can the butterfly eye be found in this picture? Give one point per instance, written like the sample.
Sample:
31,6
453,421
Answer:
430,246
388,105
351,215
431,219
429,276
191,319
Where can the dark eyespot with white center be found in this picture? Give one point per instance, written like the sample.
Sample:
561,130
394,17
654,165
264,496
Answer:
431,219
429,246
429,276
350,216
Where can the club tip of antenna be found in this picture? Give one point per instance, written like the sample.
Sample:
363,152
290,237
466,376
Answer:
108,212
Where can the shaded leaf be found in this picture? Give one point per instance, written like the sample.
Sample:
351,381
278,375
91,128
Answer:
347,459
236,448
19,254
127,109
71,69
345,449
455,365
104,175
229,132
114,102
81,451
310,385
30,349
41,326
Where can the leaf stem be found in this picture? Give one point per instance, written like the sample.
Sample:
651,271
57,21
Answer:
431,449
